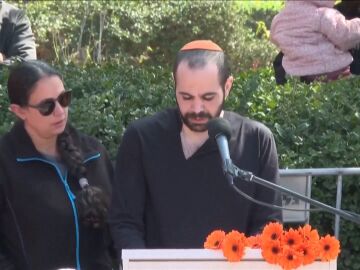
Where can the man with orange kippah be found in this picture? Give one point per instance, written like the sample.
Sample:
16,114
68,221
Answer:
170,188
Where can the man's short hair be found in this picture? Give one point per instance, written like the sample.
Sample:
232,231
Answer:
199,58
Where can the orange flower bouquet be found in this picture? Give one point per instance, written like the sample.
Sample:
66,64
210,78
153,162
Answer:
287,248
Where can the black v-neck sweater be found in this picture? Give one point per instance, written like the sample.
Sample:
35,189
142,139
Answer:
162,200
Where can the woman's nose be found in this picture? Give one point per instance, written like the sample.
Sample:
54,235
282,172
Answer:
58,110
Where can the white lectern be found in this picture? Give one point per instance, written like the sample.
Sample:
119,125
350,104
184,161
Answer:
202,259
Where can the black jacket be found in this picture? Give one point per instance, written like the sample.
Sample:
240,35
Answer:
38,217
16,37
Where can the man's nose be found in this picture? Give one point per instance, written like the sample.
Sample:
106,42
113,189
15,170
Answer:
197,105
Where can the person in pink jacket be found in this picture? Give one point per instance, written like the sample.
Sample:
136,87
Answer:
315,39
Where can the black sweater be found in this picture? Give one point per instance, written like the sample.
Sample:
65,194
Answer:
38,216
165,201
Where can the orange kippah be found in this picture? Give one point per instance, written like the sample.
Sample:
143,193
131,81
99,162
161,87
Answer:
201,45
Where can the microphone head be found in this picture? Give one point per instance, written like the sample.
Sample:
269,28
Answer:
219,126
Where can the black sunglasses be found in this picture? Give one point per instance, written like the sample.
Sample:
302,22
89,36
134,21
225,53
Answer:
47,106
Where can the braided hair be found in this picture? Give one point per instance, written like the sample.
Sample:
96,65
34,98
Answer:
92,203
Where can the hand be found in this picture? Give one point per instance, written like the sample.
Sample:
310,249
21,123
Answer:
1,58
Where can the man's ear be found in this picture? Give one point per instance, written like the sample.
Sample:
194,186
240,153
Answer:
18,111
228,85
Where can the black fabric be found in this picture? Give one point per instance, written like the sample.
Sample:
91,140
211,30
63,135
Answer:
166,201
37,227
16,37
351,10
355,64
280,73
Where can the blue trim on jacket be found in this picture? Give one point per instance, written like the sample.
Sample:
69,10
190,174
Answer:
70,194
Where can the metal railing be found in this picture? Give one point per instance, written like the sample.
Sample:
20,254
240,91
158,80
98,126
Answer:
309,173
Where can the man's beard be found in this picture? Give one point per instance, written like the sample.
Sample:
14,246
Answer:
199,127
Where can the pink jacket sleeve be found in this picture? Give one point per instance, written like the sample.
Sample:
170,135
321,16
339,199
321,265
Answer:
345,34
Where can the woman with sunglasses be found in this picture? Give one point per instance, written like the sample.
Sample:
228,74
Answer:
54,181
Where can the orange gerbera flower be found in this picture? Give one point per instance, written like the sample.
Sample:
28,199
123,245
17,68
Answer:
310,252
254,241
329,248
233,246
308,234
292,238
290,258
272,231
214,239
271,251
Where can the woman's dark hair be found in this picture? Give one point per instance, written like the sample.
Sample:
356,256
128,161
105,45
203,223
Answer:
23,78
91,201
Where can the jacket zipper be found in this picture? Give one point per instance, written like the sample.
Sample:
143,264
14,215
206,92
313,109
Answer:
70,195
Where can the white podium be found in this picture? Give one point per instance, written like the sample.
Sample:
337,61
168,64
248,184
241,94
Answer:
202,259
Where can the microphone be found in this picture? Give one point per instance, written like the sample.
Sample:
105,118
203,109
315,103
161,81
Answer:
220,130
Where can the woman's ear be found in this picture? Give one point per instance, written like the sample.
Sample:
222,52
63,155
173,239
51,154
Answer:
228,85
18,111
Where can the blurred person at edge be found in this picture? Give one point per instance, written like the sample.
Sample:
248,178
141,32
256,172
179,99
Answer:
314,39
351,9
16,38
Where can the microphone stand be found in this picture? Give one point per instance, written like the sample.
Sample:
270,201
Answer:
231,170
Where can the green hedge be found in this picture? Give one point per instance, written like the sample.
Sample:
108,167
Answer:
147,32
314,125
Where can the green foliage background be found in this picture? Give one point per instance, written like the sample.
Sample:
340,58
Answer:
147,33
314,125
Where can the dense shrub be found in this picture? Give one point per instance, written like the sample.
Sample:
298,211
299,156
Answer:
145,32
115,96
5,115
314,125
